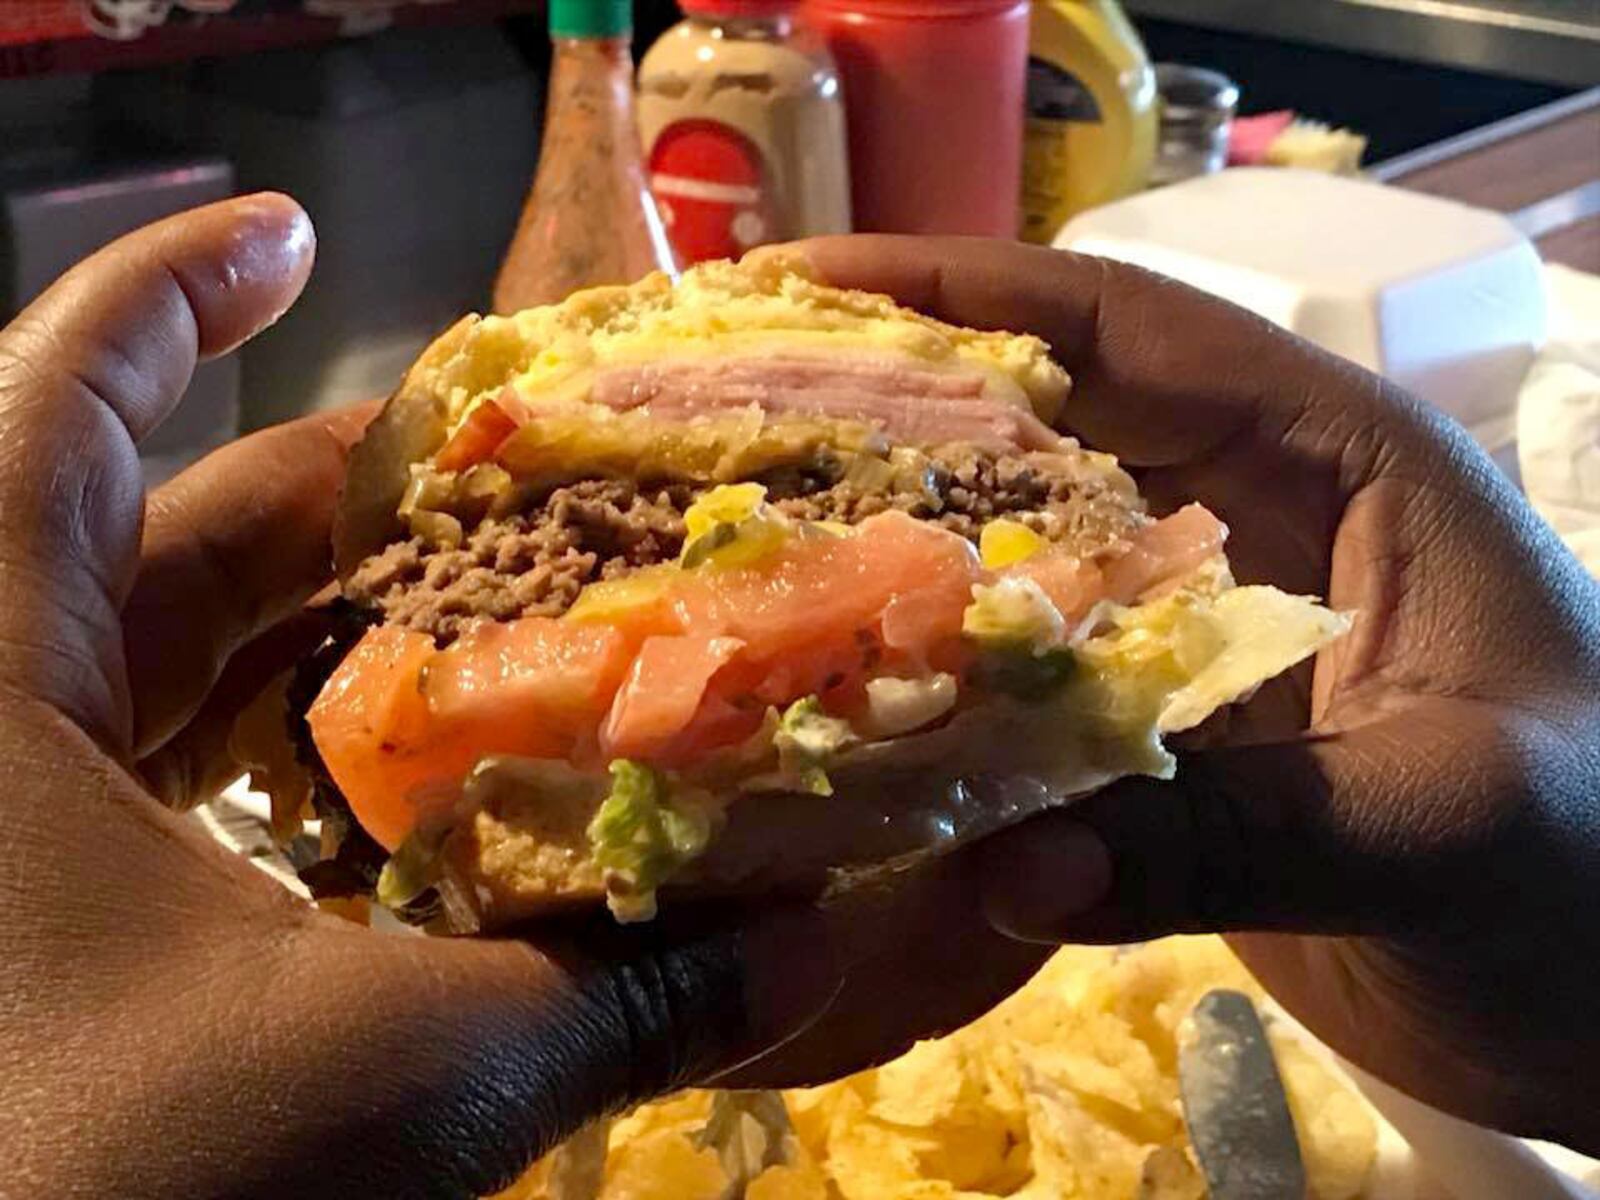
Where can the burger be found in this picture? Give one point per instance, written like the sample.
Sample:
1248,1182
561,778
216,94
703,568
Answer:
741,585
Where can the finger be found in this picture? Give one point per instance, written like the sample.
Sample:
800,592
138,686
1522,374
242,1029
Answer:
918,960
197,762
124,327
1353,833
492,1051
232,546
445,1067
1163,373
88,368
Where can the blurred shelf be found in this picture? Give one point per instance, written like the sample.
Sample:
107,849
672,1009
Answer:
1549,41
183,38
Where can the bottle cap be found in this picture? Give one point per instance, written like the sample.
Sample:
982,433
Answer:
591,18
755,9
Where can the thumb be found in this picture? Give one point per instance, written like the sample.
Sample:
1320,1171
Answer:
88,369
1344,833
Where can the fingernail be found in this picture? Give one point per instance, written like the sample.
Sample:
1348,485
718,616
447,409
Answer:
793,972
275,234
271,256
1039,876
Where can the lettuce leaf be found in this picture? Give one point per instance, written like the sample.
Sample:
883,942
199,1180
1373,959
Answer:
807,737
640,839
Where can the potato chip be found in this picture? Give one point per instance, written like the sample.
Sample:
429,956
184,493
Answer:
926,1085
682,1112
870,1161
975,1155
662,1165
534,1184
1114,1076
811,1110
1076,1154
578,1166
1338,1140
1170,1174
1067,1090
789,1183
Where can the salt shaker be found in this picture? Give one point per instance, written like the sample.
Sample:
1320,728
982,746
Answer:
1197,108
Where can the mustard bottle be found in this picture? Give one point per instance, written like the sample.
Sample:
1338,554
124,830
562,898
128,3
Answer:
1090,133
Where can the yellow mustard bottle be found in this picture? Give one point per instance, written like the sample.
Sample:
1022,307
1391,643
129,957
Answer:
1090,134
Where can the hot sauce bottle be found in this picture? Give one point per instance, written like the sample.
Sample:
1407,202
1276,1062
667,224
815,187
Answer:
590,218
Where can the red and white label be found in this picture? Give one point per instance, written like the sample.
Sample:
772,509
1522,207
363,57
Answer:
710,183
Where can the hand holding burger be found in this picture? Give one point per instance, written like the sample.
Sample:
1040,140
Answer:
175,1024
744,586
1403,843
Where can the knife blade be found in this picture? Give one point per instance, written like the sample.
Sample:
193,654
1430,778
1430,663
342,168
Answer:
1234,1103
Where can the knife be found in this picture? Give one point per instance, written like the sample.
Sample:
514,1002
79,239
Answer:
1234,1104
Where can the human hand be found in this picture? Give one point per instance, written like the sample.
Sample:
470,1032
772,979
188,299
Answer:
1429,799
172,1022
325,1060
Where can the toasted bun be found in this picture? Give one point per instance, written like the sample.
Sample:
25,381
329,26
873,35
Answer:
764,305
894,807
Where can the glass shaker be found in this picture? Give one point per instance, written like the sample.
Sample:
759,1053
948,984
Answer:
1197,108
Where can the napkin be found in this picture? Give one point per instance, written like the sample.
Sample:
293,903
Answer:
1558,415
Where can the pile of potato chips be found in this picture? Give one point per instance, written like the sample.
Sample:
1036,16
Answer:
1069,1089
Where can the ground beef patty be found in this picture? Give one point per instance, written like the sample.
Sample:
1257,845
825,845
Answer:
536,562
530,564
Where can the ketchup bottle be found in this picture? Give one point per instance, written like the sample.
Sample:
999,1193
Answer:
934,100
590,218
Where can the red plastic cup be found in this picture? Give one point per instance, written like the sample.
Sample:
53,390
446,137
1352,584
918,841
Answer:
933,93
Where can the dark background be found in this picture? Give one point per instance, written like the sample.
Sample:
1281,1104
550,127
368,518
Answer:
413,149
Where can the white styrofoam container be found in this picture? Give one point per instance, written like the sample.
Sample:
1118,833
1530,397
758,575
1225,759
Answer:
1445,299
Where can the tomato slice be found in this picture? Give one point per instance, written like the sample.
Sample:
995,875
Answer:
480,435
400,723
662,666
1072,584
663,692
378,739
1165,551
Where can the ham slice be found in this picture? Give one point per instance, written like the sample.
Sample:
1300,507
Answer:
908,402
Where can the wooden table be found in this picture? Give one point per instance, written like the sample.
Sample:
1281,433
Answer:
1541,168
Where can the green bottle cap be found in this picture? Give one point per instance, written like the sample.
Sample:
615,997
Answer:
591,18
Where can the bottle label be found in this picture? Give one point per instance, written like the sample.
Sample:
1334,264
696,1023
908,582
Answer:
1057,95
1060,111
713,189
